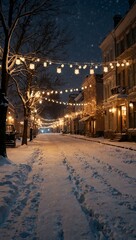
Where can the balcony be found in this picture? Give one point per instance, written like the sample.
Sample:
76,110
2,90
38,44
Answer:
118,90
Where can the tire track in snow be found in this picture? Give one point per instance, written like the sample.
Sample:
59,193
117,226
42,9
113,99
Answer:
128,201
81,190
107,167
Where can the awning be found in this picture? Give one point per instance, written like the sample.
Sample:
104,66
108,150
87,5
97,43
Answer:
84,119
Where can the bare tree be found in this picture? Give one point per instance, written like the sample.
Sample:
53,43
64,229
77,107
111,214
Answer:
28,29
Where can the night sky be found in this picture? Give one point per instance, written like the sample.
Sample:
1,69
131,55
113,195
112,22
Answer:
90,21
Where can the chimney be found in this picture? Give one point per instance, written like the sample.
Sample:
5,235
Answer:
131,2
117,19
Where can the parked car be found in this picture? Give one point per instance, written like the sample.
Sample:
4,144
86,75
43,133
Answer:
10,135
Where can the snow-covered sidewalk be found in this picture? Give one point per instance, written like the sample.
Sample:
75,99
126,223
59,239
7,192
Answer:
127,145
60,187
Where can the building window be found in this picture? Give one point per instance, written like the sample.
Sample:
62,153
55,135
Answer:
122,46
123,78
134,35
134,74
132,115
129,40
130,76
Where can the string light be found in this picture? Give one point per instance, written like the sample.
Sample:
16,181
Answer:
65,103
66,90
78,65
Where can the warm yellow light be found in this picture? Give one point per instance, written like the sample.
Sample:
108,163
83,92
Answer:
22,59
118,64
91,71
105,69
32,66
85,66
76,71
18,62
45,64
58,70
113,110
130,104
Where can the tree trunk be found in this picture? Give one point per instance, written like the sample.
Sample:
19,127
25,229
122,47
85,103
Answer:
3,113
24,138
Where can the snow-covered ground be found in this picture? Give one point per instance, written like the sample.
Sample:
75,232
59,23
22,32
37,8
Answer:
60,187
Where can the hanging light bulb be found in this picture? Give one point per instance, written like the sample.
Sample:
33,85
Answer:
118,64
58,69
62,65
76,71
91,71
85,66
32,66
38,60
45,64
127,63
105,69
70,65
79,67
22,59
18,61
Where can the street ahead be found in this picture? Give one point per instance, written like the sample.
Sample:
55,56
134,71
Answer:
72,189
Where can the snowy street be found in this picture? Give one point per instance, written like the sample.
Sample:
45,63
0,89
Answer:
63,188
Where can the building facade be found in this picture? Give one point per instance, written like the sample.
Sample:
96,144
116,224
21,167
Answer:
93,120
119,78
